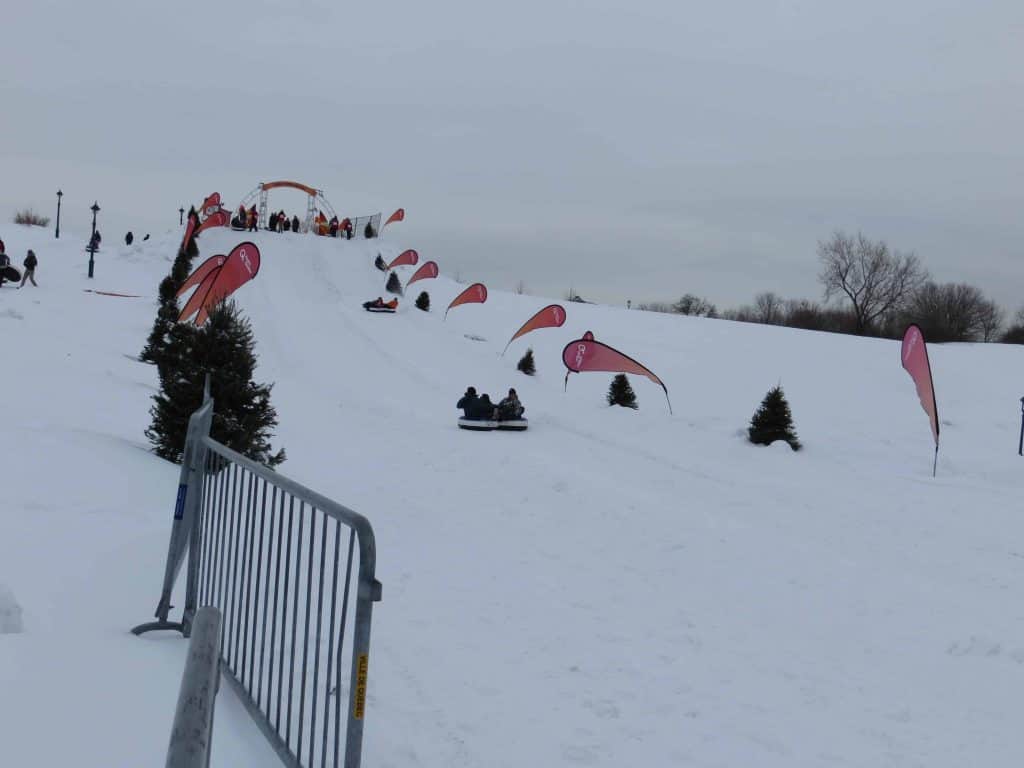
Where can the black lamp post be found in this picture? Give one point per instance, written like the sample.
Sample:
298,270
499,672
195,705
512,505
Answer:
181,216
92,240
1020,445
59,196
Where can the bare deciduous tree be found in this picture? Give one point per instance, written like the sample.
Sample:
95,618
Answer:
953,312
768,308
876,281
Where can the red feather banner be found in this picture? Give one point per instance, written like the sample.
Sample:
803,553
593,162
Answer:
398,215
405,259
200,273
211,204
195,301
589,355
241,266
914,356
475,294
427,271
219,218
552,316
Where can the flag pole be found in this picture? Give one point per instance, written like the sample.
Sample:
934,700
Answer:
935,463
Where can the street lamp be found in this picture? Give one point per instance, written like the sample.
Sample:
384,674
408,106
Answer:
59,196
92,240
181,216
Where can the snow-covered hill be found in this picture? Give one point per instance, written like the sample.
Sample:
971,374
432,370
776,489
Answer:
609,588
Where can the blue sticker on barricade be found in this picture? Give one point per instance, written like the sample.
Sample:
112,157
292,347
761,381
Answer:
179,505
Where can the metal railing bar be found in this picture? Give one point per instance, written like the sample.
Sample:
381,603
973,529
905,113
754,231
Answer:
266,598
341,643
330,645
316,650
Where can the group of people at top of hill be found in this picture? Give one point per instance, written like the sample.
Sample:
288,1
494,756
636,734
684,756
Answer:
248,219
480,406
29,263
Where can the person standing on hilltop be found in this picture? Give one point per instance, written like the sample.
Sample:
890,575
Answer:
30,264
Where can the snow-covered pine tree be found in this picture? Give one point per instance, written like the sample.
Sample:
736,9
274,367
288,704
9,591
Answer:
243,417
621,393
423,301
166,316
526,364
773,421
394,284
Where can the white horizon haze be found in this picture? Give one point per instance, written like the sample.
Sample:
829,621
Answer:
627,151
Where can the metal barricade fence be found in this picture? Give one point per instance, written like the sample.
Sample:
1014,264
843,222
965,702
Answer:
284,565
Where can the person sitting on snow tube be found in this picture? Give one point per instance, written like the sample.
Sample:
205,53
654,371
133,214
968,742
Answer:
510,408
380,264
379,303
468,402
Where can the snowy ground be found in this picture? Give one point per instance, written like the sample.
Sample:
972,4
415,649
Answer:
610,588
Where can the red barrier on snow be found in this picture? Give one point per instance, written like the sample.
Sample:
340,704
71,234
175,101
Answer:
200,273
589,355
241,266
914,356
398,215
426,272
220,218
552,316
475,294
405,259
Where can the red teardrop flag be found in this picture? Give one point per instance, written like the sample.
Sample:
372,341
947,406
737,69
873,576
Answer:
218,218
589,355
398,215
241,266
405,259
427,271
475,294
552,316
211,204
200,273
195,301
914,356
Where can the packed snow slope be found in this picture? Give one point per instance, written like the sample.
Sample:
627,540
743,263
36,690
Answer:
610,588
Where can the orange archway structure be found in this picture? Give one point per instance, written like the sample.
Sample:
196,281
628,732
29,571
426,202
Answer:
314,203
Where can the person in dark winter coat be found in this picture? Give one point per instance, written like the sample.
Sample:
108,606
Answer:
272,222
485,408
468,402
295,223
346,227
380,264
510,407
129,238
252,218
368,233
332,226
5,262
30,269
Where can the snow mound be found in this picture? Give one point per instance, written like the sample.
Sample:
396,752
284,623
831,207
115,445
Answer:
10,613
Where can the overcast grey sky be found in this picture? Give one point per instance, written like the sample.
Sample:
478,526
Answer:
630,149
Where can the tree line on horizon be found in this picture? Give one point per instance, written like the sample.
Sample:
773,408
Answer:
870,290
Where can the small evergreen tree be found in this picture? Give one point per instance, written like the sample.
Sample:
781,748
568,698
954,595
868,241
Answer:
621,393
423,301
243,417
773,421
526,364
394,284
166,317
